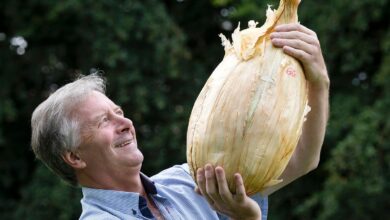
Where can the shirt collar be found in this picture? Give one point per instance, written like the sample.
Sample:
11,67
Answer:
148,184
122,201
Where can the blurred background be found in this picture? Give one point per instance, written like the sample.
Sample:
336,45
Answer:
156,56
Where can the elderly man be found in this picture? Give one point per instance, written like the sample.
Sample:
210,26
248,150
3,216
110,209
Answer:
84,137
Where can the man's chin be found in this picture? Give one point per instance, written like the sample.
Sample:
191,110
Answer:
139,157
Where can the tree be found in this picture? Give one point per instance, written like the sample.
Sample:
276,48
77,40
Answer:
137,47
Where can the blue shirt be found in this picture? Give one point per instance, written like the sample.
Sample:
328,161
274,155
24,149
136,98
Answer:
172,190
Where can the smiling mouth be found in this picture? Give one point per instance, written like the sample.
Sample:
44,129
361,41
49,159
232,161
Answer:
123,144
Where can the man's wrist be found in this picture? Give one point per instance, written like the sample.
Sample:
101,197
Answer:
321,84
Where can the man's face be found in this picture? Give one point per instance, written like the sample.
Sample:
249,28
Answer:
109,142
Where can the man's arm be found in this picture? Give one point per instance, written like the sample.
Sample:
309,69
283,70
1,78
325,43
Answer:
302,43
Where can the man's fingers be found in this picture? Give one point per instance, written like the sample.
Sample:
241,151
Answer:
223,188
211,183
298,41
240,188
197,190
298,54
296,36
200,177
294,27
309,39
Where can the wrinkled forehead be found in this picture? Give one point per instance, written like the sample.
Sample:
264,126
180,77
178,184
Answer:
91,105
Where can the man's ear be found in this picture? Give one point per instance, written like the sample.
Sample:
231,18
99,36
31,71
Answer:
74,160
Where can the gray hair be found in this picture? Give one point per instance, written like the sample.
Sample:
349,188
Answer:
54,131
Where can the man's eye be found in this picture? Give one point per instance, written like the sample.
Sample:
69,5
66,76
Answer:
102,121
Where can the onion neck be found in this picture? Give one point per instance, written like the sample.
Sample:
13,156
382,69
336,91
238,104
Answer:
289,11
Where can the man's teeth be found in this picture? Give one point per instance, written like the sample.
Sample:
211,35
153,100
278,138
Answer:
123,144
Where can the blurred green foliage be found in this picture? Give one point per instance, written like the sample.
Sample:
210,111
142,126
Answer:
156,56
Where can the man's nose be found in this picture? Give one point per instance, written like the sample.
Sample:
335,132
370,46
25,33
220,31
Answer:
124,124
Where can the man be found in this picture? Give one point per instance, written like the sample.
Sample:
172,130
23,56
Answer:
85,138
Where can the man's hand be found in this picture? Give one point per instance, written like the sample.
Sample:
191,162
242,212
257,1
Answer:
213,186
302,43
